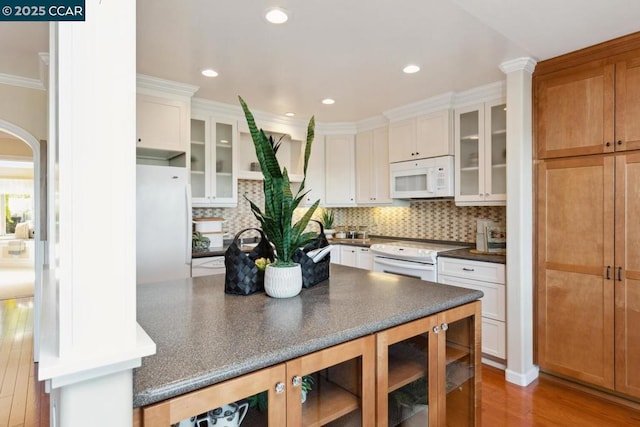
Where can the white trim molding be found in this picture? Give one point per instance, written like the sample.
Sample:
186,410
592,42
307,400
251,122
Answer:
11,80
524,379
371,123
430,105
488,92
155,86
524,63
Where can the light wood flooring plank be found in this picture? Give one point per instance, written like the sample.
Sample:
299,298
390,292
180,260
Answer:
25,368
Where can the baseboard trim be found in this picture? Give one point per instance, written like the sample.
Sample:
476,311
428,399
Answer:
494,363
522,379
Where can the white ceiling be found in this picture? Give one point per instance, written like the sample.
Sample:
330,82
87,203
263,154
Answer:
352,51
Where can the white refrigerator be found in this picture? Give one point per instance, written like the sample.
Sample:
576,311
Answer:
163,223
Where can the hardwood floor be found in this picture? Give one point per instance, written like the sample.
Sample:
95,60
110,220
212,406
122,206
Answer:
547,403
544,403
23,401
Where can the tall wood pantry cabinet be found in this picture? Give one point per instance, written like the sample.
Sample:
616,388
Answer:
587,123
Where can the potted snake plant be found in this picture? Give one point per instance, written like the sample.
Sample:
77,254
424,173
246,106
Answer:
283,278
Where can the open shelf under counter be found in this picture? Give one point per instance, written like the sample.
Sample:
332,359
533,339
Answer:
456,352
327,402
403,372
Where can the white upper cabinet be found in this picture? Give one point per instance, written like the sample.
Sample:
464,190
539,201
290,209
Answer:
340,179
162,124
213,161
290,155
428,135
163,110
315,182
481,152
372,167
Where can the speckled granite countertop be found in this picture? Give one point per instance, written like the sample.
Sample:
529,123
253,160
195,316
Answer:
204,336
466,254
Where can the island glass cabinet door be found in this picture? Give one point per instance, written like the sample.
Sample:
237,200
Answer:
427,371
258,399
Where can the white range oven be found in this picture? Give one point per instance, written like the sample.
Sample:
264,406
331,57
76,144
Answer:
412,259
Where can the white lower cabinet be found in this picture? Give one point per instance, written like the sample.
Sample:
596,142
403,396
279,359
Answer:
489,278
355,256
207,266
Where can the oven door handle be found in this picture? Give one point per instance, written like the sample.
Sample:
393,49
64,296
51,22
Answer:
409,265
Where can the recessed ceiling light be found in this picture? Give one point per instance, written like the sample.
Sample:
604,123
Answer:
275,15
328,101
410,69
289,114
209,73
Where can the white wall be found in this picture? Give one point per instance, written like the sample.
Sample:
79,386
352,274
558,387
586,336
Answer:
25,108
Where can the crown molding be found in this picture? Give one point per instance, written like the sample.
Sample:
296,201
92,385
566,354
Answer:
337,128
519,64
429,105
155,86
491,91
371,123
19,81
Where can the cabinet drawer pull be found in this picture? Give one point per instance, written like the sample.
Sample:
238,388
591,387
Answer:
467,269
608,272
280,387
296,381
619,274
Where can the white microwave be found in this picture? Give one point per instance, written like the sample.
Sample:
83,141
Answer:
422,179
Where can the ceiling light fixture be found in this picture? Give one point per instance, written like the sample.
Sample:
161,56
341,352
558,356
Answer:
328,101
289,114
410,69
209,73
275,15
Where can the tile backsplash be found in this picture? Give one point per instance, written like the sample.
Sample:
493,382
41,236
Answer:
434,220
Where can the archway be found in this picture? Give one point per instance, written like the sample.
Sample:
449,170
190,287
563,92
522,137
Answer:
38,241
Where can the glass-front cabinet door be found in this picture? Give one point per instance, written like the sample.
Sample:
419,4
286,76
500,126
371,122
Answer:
407,374
330,387
470,153
427,371
481,154
458,333
213,158
256,399
496,152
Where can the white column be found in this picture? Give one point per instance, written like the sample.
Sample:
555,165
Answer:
520,367
92,341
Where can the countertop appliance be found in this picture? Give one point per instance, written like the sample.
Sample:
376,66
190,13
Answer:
412,259
163,223
422,179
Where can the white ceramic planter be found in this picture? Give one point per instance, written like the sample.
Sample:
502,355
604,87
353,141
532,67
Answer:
283,282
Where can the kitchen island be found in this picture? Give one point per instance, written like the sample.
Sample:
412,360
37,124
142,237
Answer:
205,337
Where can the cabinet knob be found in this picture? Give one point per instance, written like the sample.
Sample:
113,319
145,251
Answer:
417,153
436,329
486,194
608,144
413,154
280,387
444,326
619,142
296,381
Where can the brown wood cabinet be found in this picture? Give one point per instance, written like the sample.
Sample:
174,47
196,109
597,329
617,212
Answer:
352,382
589,270
428,370
587,135
592,108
